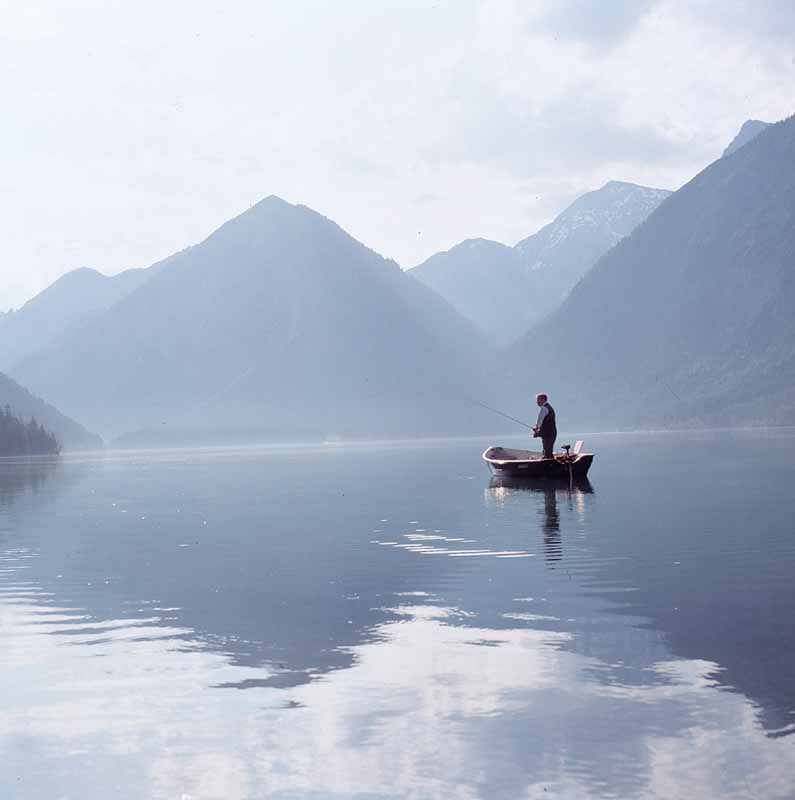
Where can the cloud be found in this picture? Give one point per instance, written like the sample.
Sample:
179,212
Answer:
571,133
157,128
596,23
516,712
764,19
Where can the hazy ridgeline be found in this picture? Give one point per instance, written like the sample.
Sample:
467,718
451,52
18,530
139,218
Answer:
505,290
633,308
278,322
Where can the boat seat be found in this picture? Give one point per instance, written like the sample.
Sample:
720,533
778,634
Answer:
577,447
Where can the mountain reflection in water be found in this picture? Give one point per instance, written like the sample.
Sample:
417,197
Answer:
23,475
554,639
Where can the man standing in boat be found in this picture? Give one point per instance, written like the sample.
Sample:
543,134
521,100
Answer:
545,427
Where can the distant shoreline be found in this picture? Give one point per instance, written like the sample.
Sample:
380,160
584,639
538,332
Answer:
329,446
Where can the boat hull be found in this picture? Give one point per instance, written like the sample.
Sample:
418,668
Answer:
505,463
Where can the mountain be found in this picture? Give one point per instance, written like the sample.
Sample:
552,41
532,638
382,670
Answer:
476,277
23,404
562,252
279,321
506,290
750,129
70,300
689,319
66,304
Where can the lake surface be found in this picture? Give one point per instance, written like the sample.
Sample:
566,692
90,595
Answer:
384,622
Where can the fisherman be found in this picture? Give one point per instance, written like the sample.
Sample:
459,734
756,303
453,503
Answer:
545,427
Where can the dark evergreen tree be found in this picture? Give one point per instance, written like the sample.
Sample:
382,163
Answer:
18,438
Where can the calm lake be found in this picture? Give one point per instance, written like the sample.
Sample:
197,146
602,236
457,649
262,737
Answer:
381,621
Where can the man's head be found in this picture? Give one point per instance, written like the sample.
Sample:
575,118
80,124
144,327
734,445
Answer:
541,399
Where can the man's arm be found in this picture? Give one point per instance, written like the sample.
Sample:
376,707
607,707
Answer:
542,415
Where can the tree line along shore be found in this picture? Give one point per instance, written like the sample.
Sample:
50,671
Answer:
20,438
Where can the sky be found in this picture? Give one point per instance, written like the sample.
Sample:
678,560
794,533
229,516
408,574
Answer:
131,130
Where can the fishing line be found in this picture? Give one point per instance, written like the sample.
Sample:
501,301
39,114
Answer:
660,380
496,411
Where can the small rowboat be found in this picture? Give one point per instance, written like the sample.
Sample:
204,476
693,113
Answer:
505,462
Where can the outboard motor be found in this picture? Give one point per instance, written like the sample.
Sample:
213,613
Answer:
568,459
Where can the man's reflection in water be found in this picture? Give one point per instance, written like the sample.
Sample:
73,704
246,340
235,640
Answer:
504,490
553,545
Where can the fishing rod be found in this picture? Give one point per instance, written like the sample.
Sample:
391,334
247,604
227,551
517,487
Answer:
496,411
455,393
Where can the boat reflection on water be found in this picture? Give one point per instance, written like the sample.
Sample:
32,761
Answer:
545,485
503,491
